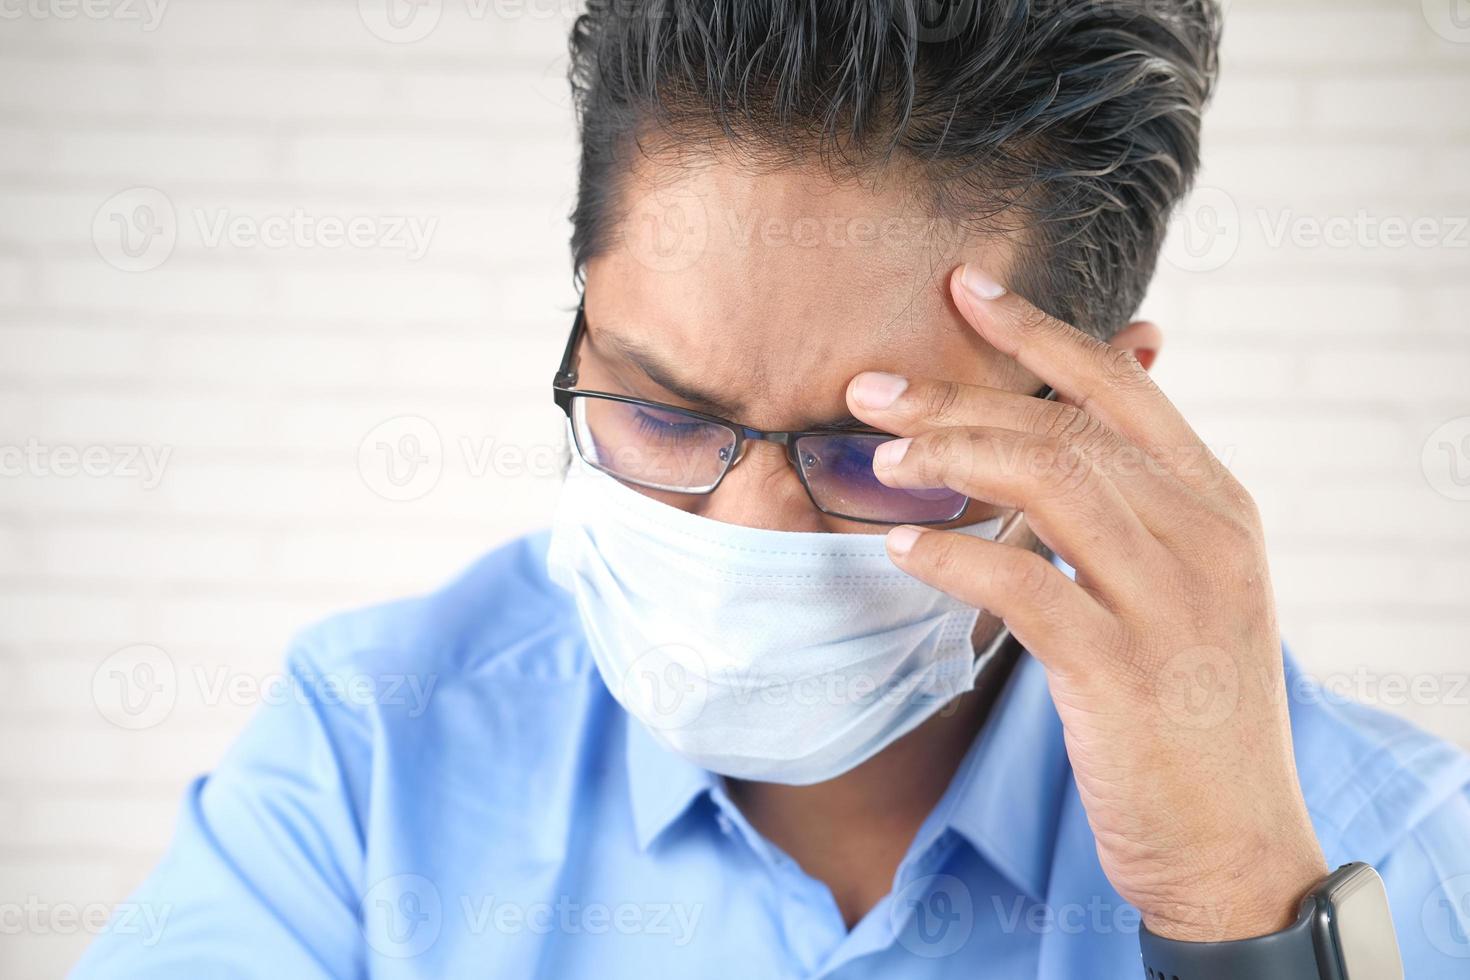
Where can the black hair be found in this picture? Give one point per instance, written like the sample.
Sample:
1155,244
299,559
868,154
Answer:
1075,123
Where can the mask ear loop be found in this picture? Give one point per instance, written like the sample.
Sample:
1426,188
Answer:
1007,530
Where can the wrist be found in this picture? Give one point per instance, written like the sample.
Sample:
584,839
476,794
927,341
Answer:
1260,903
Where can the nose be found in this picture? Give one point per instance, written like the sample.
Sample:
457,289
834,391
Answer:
762,491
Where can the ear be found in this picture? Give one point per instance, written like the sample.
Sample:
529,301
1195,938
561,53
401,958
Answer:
1143,338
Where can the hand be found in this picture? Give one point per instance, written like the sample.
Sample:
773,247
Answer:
1164,656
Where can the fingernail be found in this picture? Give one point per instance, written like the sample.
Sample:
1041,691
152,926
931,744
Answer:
890,454
875,389
980,285
901,539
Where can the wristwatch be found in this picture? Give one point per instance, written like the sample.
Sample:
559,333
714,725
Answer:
1343,932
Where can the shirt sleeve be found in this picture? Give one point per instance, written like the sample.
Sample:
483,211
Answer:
262,877
1428,880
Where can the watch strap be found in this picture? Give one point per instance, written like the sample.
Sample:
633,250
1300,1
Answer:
1286,955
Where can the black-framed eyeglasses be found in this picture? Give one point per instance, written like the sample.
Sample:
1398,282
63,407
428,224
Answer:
664,447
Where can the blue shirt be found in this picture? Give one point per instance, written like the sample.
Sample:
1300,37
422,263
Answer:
454,793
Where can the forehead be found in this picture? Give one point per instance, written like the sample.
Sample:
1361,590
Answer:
780,285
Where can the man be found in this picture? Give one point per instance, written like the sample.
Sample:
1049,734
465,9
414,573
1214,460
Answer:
858,285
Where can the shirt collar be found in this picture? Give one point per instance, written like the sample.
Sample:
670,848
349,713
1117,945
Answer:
1006,798
661,784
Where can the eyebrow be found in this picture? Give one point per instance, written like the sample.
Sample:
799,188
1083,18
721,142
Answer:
648,361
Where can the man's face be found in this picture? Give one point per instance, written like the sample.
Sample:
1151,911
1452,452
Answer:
758,297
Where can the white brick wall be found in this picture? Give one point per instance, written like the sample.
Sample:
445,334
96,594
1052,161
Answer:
1321,369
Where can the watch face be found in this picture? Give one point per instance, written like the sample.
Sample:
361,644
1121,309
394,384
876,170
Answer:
1362,926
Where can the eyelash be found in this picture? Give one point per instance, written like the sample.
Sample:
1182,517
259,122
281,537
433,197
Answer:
663,429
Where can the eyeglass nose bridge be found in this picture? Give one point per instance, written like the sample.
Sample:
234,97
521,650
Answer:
747,435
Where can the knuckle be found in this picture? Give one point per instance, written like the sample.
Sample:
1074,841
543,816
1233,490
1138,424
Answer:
959,452
940,552
936,454
940,400
1068,470
1028,576
1028,319
1071,425
1123,369
1232,537
1246,508
939,446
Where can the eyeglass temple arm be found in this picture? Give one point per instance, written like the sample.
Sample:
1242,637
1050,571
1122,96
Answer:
566,374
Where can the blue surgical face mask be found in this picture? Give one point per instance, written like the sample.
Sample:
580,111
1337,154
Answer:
778,656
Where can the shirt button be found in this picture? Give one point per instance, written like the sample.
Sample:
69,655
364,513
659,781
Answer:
727,827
